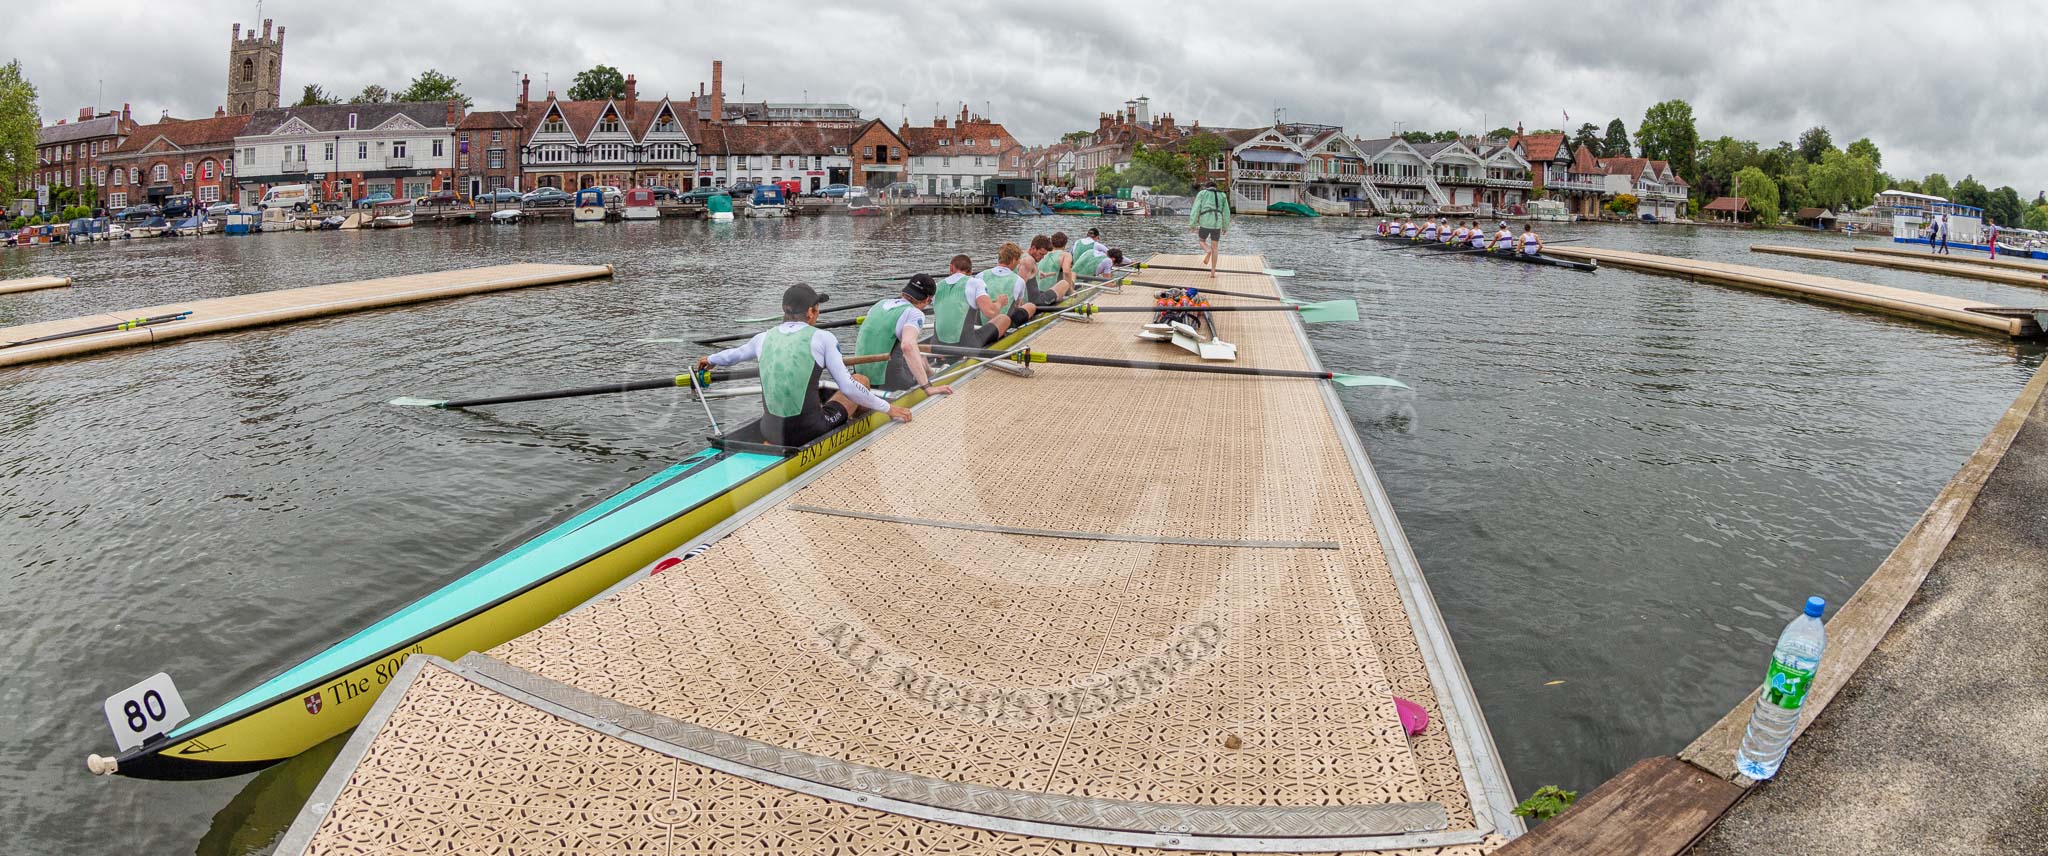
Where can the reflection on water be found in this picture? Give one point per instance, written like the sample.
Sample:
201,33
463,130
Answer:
1612,480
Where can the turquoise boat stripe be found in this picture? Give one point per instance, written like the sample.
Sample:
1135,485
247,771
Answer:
589,534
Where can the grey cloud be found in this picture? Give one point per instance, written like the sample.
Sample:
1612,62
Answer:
1944,87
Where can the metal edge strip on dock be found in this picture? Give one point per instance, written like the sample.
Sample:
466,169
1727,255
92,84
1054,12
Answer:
1763,279
2001,262
1479,760
299,836
1911,263
1057,533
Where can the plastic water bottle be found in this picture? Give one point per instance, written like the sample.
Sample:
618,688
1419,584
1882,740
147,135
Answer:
1777,709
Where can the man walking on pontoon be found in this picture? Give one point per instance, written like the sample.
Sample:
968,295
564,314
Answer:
1209,219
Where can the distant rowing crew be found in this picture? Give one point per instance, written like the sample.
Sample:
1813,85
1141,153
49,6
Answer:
1469,234
970,310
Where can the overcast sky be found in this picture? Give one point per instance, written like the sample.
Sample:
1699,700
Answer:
1959,88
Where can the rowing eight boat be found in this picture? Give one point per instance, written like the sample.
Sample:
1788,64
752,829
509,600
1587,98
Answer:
1510,256
539,580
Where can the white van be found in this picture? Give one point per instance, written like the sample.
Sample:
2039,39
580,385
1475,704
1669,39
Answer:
294,196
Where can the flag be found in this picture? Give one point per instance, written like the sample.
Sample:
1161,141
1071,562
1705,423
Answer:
1567,117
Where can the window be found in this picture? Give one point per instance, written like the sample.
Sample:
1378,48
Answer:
327,152
977,160
209,193
840,150
497,137
994,143
160,173
967,143
610,125
351,121
119,176
248,70
551,154
188,170
868,152
608,152
1216,164
206,170
665,152
1016,160
135,174
362,151
117,200
497,159
667,125
554,125
944,161
398,148
944,143
440,147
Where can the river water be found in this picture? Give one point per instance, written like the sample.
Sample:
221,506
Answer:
1619,485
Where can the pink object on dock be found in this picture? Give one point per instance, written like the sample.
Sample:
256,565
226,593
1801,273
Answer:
1413,718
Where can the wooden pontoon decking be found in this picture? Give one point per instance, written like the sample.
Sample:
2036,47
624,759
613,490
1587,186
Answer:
1205,658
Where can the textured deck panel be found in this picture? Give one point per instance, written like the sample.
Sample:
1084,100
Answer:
1918,264
32,283
1969,258
1933,308
1064,667
216,314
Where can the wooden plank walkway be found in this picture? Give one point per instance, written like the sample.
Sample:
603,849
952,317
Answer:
1920,306
33,283
1917,262
218,314
839,674
1968,258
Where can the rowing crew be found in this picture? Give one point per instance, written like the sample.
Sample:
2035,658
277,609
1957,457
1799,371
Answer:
1468,234
971,310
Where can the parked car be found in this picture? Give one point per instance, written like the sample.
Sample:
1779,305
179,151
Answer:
378,198
662,194
743,187
856,193
139,212
220,209
547,196
612,195
963,192
502,194
444,196
702,193
178,206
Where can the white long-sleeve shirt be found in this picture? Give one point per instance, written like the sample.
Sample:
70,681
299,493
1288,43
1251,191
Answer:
824,352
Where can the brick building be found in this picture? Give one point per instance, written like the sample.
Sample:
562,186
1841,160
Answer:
174,157
487,147
71,153
349,151
878,154
1117,135
963,153
810,155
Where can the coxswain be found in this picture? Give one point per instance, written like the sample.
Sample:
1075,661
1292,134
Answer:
895,326
974,311
1503,240
1530,244
1383,228
794,357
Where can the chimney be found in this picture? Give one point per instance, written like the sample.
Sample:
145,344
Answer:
124,113
266,29
717,92
525,91
551,95
84,113
451,113
220,112
62,121
939,122
632,97
1102,122
963,114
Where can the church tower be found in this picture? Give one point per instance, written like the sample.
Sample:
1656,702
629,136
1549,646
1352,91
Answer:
255,70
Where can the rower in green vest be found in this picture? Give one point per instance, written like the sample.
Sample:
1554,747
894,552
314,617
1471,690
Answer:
1092,242
974,311
1209,218
895,326
1042,273
794,356
1097,261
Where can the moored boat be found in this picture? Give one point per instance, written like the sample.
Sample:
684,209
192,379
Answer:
718,207
150,228
1547,261
1292,209
640,205
767,202
567,565
589,206
392,215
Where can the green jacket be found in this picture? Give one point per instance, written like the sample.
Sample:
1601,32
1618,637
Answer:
1211,211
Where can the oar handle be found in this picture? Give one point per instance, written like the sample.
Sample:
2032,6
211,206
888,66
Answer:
741,337
1028,356
1093,309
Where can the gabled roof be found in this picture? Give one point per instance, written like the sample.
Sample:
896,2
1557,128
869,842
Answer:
1433,150
1584,163
770,140
485,120
1540,147
1381,145
324,118
102,126
925,141
1730,204
186,133
582,116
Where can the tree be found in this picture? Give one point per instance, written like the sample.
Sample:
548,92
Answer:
1667,134
1588,136
372,94
2037,218
1201,148
1971,193
1720,159
2005,207
1503,132
314,96
19,124
1163,171
1616,144
1840,179
1075,136
432,85
1623,204
1815,142
1935,184
598,84
1867,150
1752,184
1416,138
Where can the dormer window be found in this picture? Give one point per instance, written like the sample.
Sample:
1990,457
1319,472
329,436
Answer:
967,142
351,121
945,143
610,125
554,125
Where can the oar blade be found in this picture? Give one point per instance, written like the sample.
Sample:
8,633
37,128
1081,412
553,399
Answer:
403,401
1329,310
1366,380
1279,272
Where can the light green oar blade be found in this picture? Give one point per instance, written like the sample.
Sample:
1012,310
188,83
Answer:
1329,310
663,341
419,402
1279,272
1366,380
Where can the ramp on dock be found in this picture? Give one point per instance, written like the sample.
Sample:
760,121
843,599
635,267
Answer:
33,283
1204,656
1917,264
218,314
1968,258
2016,322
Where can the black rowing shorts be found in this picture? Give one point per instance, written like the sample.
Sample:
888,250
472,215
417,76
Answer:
1208,234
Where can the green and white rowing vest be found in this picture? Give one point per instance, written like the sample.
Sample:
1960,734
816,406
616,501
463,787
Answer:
1089,263
787,370
1001,285
878,335
1049,267
949,307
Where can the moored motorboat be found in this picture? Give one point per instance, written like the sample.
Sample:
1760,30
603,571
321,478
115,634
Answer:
589,206
509,215
718,207
1547,261
392,215
767,202
151,228
567,565
640,205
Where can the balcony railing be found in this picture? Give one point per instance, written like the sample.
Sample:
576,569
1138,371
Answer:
293,166
1411,180
1268,174
1457,179
398,162
1508,182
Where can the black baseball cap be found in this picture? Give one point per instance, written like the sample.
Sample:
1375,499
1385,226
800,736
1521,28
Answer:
799,298
920,287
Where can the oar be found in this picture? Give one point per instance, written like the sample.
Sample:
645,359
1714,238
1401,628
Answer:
741,337
1508,250
1198,368
1313,313
842,307
703,378
1197,289
103,328
1266,271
